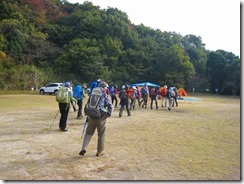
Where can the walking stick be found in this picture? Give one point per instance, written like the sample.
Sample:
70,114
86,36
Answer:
75,119
54,119
84,127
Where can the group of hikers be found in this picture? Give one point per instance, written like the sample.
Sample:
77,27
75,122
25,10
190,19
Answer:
99,106
135,96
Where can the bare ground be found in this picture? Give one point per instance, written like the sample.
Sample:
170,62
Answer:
199,140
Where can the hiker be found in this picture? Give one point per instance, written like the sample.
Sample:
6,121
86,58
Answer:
102,105
64,98
79,95
138,96
113,93
153,96
170,96
94,84
175,97
144,93
163,93
124,101
132,97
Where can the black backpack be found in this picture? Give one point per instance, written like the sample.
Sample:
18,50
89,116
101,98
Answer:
122,94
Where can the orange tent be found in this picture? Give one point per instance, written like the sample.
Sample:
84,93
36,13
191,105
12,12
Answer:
182,92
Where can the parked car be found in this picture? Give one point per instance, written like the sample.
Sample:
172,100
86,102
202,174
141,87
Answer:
50,88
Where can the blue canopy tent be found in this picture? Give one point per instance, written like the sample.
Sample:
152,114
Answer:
148,84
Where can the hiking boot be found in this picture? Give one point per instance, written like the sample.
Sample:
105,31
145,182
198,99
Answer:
63,129
100,154
82,152
169,109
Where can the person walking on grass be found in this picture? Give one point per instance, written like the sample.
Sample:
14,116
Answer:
64,98
124,101
138,96
132,97
145,94
163,93
100,102
113,94
153,96
170,96
175,97
79,95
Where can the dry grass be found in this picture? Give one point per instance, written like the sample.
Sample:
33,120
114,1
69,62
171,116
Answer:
199,140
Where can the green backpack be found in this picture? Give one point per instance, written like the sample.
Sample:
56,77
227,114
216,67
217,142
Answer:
63,95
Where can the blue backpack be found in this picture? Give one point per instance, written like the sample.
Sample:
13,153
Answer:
78,92
143,91
93,85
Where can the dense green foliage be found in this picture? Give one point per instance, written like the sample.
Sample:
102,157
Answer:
54,40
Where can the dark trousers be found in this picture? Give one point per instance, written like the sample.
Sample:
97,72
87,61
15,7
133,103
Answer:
80,105
144,100
156,102
124,102
114,98
64,111
175,100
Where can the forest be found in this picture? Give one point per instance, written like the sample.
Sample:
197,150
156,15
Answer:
44,41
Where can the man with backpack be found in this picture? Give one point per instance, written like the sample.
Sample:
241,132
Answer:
175,97
138,96
113,93
132,96
79,95
163,93
144,93
98,109
153,96
170,96
64,98
124,101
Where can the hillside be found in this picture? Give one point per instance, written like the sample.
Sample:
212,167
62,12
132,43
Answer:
44,41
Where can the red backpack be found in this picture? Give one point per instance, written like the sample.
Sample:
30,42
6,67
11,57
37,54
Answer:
164,92
153,92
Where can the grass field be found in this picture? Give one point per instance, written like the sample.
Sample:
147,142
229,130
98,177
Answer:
199,140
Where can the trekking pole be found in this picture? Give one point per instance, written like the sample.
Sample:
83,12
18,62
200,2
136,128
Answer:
75,120
54,119
84,127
